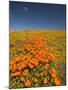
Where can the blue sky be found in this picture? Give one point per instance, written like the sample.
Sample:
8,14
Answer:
26,15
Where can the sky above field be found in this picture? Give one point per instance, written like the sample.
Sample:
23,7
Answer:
24,15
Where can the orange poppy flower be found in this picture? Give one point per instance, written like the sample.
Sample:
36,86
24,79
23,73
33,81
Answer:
14,66
13,70
27,83
52,70
51,57
57,82
17,59
20,67
30,65
53,75
45,80
20,49
25,72
38,56
35,61
22,78
42,73
16,74
46,66
23,65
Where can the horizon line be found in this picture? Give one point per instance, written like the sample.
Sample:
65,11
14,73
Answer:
36,29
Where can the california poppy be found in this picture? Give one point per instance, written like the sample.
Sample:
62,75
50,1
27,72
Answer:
27,83
45,80
57,82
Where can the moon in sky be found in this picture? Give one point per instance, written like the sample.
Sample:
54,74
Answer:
25,9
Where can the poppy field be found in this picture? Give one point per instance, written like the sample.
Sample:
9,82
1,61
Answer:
37,58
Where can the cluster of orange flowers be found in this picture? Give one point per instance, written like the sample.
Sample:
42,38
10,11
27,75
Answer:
34,66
